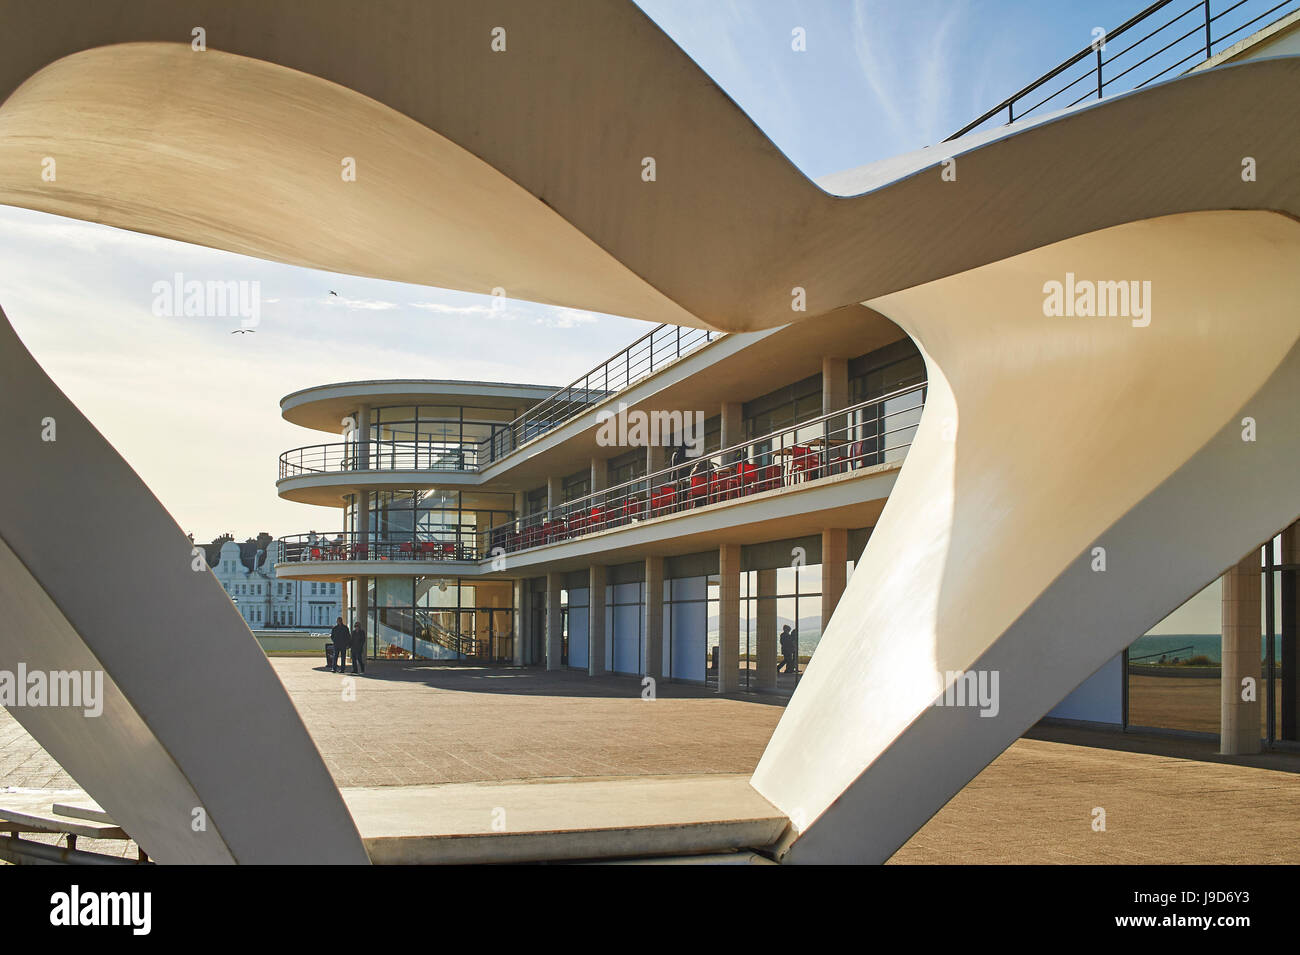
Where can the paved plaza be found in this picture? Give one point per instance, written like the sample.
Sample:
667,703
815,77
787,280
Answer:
405,724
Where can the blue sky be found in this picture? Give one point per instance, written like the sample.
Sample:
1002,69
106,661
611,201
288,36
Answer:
194,409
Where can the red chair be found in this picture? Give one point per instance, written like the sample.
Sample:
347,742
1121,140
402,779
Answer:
315,553
632,509
405,549
596,518
662,500
428,547
448,550
359,552
770,478
803,462
699,489
746,476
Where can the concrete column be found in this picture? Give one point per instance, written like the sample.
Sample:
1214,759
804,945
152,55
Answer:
521,619
554,623
599,474
363,437
835,556
596,620
835,384
654,617
1239,719
729,618
733,423
656,458
767,655
554,492
363,609
363,522
1288,727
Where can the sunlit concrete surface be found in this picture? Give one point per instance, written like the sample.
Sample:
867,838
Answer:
443,739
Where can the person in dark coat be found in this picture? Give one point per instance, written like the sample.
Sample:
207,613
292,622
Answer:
341,638
786,651
358,647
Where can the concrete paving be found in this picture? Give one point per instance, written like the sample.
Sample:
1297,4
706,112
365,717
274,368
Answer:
423,750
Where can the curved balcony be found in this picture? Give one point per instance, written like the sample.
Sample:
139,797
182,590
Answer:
379,455
407,546
859,438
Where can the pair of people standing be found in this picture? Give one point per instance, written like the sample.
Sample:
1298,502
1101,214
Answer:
343,639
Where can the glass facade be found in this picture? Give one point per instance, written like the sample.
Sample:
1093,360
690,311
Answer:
439,618
450,524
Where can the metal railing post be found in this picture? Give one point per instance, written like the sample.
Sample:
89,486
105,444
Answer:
1208,41
1099,70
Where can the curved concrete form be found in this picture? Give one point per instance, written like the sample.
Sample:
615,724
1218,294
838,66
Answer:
198,752
1043,440
523,169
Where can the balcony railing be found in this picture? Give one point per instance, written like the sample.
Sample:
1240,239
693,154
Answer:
1172,40
872,432
652,352
383,545
380,456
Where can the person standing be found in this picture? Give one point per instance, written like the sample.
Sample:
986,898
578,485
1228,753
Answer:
340,636
358,647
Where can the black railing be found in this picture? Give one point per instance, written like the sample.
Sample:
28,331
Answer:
873,432
1180,39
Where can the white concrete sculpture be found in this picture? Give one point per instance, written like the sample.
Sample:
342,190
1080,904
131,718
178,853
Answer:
1045,436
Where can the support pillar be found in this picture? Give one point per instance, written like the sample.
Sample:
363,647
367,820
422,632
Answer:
1289,636
521,623
1240,687
596,620
554,623
599,474
733,423
835,558
654,618
767,649
729,618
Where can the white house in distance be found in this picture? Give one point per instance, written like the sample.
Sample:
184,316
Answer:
266,601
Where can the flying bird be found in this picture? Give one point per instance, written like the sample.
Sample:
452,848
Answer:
334,293
240,331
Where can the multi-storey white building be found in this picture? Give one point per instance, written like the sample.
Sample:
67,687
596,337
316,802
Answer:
264,600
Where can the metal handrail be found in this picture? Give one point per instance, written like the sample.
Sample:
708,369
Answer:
652,352
849,440
427,455
1204,26
859,436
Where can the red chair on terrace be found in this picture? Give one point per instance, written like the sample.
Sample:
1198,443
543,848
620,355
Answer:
662,500
746,476
699,490
359,552
803,463
632,509
769,478
428,547
448,550
577,524
315,553
405,548
596,519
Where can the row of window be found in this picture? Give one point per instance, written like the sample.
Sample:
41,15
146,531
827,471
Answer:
282,589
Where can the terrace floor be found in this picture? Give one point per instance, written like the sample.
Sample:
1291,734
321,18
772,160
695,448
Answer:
1166,801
